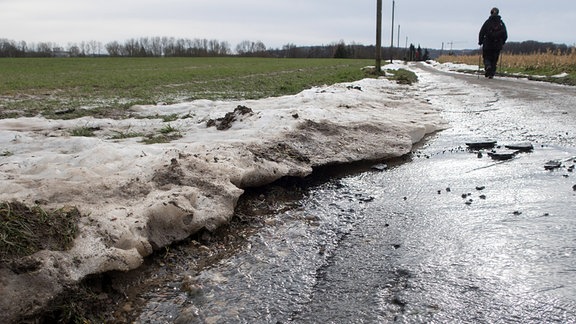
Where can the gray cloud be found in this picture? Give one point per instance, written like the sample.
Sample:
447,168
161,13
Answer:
278,22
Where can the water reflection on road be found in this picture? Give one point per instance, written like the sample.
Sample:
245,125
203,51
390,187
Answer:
450,236
473,241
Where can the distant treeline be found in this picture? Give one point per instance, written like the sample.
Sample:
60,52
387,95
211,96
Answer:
180,47
531,47
173,47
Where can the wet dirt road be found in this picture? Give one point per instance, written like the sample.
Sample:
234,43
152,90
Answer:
449,235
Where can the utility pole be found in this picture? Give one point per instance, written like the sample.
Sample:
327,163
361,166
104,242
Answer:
378,36
392,37
398,43
406,49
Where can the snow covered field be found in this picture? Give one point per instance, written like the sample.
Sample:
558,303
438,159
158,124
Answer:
137,197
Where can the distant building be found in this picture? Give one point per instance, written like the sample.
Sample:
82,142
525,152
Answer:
59,52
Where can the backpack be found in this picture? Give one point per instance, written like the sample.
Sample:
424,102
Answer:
494,32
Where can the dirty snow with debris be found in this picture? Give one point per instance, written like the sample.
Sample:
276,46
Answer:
138,197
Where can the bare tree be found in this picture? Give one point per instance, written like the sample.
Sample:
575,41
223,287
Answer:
114,48
44,49
74,50
248,48
9,49
95,47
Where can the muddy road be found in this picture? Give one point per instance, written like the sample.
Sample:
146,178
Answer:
447,234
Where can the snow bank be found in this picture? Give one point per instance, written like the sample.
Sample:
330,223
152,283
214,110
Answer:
452,67
139,197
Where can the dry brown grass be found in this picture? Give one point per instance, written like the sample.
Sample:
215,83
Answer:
545,62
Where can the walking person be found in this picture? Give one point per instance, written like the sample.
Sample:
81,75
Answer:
492,37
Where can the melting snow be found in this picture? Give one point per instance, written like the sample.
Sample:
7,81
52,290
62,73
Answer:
138,197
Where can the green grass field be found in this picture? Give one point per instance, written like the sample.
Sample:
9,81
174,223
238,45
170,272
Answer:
105,87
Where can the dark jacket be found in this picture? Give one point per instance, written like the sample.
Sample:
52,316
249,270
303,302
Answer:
493,33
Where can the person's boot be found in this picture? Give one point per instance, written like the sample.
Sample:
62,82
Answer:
487,71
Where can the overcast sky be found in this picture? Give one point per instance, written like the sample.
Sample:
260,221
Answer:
278,22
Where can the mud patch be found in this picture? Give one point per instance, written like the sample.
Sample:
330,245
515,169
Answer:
227,121
278,152
324,128
173,174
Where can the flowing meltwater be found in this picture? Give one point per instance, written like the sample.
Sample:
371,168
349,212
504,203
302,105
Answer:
447,235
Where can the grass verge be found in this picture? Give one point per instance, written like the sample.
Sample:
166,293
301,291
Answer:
403,76
25,230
